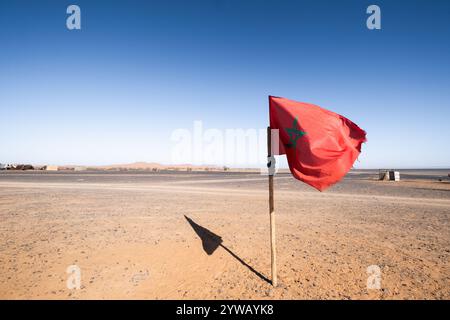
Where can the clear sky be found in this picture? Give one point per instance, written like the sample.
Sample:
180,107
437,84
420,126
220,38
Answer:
114,91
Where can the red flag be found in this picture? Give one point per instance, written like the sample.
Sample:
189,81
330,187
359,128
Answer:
321,146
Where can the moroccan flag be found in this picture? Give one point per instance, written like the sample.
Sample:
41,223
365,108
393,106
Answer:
321,146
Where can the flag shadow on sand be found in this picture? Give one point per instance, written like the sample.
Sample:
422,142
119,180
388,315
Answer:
211,241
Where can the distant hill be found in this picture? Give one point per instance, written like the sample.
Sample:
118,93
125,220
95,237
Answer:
154,166
132,166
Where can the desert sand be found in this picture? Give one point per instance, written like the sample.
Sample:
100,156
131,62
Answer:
206,236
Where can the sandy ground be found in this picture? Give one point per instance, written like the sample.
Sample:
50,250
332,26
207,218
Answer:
206,236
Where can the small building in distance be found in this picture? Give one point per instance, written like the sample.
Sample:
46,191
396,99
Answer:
50,168
24,167
389,175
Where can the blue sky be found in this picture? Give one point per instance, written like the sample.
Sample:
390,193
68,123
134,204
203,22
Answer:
114,91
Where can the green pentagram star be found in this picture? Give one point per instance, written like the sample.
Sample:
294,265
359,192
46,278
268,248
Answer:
294,134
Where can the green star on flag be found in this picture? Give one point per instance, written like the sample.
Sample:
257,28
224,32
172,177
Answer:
294,134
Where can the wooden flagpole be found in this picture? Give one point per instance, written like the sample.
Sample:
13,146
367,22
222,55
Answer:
271,209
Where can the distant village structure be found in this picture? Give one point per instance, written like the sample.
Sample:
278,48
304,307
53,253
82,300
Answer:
16,167
50,168
389,175
26,167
